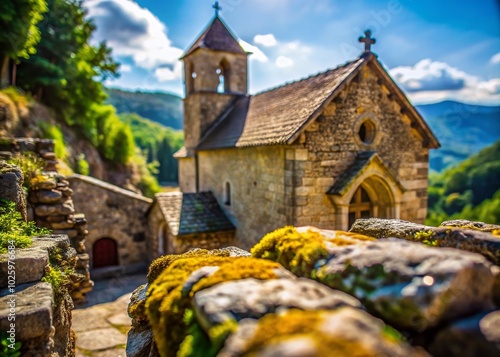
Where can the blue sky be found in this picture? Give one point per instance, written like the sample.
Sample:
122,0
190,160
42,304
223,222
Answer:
435,50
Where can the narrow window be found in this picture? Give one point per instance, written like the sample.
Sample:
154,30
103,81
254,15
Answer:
367,132
190,77
223,72
227,194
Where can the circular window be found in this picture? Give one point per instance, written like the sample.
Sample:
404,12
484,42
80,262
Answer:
367,132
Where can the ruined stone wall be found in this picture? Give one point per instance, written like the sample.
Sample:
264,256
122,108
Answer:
113,213
259,197
330,145
51,206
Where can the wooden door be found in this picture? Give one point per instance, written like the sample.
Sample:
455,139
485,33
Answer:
105,253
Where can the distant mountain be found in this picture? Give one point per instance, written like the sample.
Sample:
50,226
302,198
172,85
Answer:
163,108
462,130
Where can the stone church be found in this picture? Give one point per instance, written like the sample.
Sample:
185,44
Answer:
322,151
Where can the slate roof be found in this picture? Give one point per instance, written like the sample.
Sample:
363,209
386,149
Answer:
276,115
363,159
216,37
188,213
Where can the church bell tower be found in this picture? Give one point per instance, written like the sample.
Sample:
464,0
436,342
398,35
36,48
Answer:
215,74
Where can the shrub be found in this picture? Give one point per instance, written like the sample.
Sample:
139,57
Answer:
50,131
14,229
30,164
82,166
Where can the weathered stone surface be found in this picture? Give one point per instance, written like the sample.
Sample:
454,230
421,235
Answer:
478,335
496,285
48,196
11,181
252,298
139,343
408,284
46,184
470,240
101,339
30,266
465,224
33,311
343,332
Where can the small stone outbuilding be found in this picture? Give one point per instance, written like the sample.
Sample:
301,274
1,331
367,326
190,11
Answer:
180,221
116,224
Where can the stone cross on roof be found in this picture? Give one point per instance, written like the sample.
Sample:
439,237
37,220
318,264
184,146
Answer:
367,40
217,8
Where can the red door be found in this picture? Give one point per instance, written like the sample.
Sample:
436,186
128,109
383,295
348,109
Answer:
105,253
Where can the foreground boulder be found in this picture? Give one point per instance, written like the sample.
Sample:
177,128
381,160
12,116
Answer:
478,335
410,285
342,333
472,240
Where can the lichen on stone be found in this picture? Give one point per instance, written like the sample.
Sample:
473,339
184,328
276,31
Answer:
296,251
166,302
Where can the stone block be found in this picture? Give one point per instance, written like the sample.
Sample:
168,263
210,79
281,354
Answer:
11,181
29,266
34,305
301,155
56,209
49,196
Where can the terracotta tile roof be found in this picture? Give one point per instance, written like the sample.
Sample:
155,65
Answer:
274,116
188,213
216,37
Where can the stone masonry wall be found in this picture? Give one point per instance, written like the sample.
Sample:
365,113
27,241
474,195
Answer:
113,213
42,315
259,196
330,145
51,206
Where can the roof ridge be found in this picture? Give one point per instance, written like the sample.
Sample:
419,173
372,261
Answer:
308,77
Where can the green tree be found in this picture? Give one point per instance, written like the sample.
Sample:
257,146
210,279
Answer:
164,156
19,33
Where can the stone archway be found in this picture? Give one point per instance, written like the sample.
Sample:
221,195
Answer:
372,198
104,253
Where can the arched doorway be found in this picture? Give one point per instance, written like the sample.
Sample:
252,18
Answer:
360,206
104,253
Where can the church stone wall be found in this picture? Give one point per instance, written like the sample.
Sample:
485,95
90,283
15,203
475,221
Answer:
330,145
259,192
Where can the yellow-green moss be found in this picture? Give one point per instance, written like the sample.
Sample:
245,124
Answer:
166,304
341,238
240,269
162,263
276,328
296,251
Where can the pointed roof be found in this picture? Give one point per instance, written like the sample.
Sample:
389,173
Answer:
363,160
216,37
280,115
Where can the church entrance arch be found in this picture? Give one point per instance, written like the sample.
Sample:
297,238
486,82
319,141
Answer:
104,253
372,198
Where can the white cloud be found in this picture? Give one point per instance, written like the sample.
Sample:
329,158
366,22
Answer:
164,74
265,40
257,53
125,68
133,31
283,61
495,58
429,81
